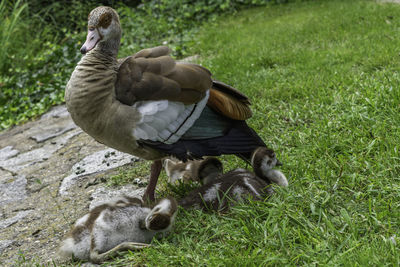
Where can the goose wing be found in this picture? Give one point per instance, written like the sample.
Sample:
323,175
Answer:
168,95
152,74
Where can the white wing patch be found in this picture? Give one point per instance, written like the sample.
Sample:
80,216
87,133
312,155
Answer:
212,193
250,186
166,121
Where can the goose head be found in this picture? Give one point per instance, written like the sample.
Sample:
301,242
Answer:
209,170
104,31
263,160
162,216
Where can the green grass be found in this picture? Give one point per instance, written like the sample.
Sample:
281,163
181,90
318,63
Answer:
324,79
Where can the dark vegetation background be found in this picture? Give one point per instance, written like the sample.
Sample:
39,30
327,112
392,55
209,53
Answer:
40,41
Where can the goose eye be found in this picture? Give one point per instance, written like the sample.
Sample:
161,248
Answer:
91,29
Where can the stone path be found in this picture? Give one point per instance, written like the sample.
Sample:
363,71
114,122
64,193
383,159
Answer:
50,174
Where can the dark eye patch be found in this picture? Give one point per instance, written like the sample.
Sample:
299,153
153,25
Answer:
105,20
159,222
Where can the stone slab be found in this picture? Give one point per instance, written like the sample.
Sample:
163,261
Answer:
8,152
51,132
99,161
37,155
56,112
10,221
12,189
5,244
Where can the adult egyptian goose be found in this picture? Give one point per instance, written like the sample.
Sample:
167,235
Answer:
151,106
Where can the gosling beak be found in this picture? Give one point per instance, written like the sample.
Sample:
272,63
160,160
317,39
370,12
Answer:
92,39
278,163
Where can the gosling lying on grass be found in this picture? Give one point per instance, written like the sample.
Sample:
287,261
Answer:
219,190
124,224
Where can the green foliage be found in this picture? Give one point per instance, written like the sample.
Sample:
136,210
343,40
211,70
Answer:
31,89
70,14
12,28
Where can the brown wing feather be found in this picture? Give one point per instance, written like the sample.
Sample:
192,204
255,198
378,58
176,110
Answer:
229,105
151,74
223,87
157,51
191,76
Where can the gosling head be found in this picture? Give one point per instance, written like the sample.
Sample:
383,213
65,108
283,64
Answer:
264,159
194,170
162,216
104,30
178,170
209,169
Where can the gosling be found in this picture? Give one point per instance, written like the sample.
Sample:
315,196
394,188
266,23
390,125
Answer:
123,224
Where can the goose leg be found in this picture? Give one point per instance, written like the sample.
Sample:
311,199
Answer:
151,187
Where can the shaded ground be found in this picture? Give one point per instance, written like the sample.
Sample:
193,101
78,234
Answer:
50,173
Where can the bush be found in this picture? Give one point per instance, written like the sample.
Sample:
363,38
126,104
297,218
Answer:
69,14
30,90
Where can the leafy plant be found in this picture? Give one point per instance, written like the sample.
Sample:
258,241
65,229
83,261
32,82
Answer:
12,27
40,84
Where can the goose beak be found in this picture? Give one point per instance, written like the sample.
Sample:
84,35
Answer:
278,163
92,39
